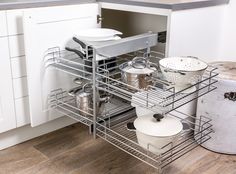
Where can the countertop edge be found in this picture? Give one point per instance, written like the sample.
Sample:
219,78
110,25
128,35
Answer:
202,4
174,7
20,5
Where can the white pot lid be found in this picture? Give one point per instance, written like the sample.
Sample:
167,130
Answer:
226,69
168,126
187,64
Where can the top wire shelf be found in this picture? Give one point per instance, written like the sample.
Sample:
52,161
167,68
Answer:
161,97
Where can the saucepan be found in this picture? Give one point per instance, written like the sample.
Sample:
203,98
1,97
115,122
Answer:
84,100
138,72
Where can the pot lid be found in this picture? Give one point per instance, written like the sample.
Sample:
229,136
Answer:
132,70
167,126
226,69
139,65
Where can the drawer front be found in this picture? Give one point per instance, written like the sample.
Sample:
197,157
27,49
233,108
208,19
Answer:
18,65
16,44
15,22
20,87
22,111
3,24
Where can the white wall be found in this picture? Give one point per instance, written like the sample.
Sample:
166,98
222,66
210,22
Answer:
228,36
196,32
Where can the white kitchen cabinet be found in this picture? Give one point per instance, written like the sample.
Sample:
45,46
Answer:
3,23
20,87
18,65
14,22
16,45
22,111
7,110
45,28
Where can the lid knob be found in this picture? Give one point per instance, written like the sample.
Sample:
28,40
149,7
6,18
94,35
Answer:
158,117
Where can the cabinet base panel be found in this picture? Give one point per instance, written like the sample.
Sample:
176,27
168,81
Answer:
27,132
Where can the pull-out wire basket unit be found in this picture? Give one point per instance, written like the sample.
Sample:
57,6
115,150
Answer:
159,97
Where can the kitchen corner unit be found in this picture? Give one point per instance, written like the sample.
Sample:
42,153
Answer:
47,30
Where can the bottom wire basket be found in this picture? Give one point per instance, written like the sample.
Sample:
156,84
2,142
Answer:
126,140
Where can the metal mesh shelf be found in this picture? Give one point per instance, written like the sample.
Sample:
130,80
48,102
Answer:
65,104
160,97
67,62
126,140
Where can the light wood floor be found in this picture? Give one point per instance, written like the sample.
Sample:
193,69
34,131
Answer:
72,150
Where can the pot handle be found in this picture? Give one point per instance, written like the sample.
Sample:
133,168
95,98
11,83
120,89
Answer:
158,117
141,60
230,95
130,126
154,65
174,71
78,81
86,87
193,57
72,92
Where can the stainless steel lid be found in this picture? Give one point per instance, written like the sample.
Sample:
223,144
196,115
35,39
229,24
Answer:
226,69
139,65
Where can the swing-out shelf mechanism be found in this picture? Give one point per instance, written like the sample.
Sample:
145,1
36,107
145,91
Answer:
163,98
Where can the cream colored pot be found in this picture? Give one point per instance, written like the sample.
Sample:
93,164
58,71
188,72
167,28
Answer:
157,133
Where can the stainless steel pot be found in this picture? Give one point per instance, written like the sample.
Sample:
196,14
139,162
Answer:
84,100
137,73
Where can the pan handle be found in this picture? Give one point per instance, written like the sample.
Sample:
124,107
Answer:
79,53
82,44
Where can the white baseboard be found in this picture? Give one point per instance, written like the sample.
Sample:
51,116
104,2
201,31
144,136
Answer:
19,135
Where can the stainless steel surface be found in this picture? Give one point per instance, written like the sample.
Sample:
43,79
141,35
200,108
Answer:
62,102
164,4
170,4
84,99
139,80
125,45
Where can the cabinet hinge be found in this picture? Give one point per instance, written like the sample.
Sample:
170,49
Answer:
99,19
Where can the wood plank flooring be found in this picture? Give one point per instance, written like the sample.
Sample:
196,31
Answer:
72,150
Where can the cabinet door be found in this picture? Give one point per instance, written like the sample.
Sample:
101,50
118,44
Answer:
46,28
7,112
3,24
